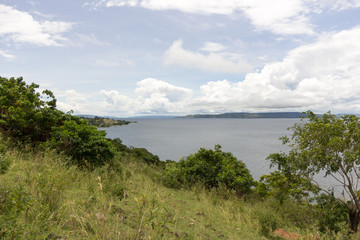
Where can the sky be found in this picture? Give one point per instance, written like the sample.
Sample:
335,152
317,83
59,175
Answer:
128,58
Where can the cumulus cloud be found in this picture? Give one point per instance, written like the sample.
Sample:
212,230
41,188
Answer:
280,17
20,27
320,76
154,96
214,61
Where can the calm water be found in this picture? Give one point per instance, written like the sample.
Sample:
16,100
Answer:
250,140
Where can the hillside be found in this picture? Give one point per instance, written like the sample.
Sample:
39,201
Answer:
61,178
51,200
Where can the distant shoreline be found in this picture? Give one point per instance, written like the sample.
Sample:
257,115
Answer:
250,115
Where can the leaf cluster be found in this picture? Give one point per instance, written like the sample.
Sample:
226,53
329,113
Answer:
211,168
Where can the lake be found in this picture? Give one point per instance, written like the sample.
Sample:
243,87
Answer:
250,140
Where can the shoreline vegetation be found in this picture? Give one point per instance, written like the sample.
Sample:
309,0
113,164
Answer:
104,122
62,179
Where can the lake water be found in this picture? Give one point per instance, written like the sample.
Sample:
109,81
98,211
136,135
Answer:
250,140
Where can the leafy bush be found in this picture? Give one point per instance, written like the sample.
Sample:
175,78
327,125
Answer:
86,145
26,115
13,202
210,167
333,214
145,155
4,164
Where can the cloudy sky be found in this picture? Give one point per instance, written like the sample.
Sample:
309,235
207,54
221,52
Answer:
174,57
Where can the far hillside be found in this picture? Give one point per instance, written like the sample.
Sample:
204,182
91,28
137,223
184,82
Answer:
250,115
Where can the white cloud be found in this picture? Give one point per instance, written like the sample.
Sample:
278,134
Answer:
278,16
148,87
212,47
7,55
320,76
21,27
154,96
214,61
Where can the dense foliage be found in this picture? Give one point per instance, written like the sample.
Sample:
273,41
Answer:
105,122
86,145
26,115
210,167
39,187
285,183
30,117
327,146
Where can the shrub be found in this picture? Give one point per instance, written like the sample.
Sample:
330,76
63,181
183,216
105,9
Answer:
4,164
85,144
25,114
210,167
333,215
145,155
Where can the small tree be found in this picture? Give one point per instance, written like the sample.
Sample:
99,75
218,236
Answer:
85,144
211,167
327,146
25,114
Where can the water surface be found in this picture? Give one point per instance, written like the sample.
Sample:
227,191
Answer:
250,140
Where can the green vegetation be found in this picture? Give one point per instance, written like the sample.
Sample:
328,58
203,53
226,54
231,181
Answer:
327,146
62,179
213,168
28,117
105,122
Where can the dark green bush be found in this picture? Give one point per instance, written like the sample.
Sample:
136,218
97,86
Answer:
210,167
85,144
4,164
333,215
144,155
26,116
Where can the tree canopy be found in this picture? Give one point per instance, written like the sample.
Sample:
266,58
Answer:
30,117
212,168
327,146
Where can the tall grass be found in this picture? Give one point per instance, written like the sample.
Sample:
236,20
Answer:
41,197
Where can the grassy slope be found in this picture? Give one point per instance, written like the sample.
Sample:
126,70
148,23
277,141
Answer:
41,198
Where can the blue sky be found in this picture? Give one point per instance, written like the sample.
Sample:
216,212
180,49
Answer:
174,57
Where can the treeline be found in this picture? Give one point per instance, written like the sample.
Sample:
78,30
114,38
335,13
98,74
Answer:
30,122
30,118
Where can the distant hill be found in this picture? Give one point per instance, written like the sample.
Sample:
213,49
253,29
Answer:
250,115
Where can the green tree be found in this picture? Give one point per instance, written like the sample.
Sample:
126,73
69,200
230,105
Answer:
85,144
211,167
330,147
25,114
